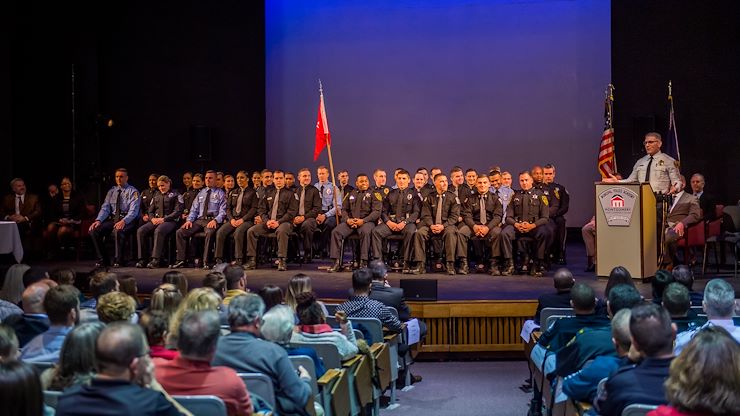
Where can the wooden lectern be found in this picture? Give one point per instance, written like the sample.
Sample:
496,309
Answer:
626,223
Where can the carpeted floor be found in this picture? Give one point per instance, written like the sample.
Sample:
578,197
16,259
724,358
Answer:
465,388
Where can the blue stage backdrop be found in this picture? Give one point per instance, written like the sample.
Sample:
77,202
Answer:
412,83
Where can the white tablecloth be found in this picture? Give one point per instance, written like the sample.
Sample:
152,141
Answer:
10,240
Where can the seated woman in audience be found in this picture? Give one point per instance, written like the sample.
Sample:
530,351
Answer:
217,281
127,285
618,276
116,306
272,295
178,279
300,283
155,325
77,363
165,298
313,327
20,390
199,299
8,344
278,327
705,378
13,287
67,211
228,183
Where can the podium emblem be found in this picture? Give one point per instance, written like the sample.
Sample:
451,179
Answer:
618,203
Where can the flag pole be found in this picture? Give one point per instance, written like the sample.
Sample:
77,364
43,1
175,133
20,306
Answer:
611,118
337,211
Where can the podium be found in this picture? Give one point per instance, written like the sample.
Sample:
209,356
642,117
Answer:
626,229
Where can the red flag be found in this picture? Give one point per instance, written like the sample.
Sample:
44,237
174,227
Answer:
323,137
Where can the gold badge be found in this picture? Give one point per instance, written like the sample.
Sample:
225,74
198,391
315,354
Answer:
544,200
661,163
557,193
386,190
378,196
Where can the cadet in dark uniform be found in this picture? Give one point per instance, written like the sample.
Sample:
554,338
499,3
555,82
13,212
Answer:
161,220
482,218
360,212
290,181
241,208
527,215
561,200
147,195
439,214
117,216
187,181
344,187
277,210
189,196
309,208
380,180
400,211
553,204
206,214
471,178
420,188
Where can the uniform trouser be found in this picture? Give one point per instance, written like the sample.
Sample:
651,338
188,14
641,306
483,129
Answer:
588,232
183,235
105,229
558,236
326,228
491,240
239,232
342,231
259,230
422,235
160,232
306,230
540,235
382,231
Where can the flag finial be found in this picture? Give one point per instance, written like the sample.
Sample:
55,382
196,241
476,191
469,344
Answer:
321,87
670,90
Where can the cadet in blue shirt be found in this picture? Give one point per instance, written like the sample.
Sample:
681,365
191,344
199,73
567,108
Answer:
206,214
116,216
327,219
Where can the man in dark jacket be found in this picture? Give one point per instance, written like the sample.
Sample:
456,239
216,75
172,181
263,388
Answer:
563,281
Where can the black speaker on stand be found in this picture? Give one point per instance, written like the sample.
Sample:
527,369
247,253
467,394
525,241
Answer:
201,144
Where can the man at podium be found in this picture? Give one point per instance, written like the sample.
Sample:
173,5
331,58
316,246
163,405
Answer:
655,167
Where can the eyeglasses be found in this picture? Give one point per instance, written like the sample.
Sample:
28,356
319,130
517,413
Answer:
650,141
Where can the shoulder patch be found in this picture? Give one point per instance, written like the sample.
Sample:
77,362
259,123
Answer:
136,195
378,196
677,164
557,193
545,201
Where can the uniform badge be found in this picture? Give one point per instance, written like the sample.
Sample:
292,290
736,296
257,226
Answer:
545,201
136,195
269,198
661,163
386,190
457,200
409,196
378,196
296,197
328,190
351,197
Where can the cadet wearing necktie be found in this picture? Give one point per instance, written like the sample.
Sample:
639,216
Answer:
276,210
163,216
360,213
559,204
207,213
526,216
241,208
309,208
481,219
439,215
327,218
116,216
400,211
147,195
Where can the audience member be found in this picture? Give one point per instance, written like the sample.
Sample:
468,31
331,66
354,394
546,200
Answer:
8,310
8,344
22,208
719,305
62,305
191,373
77,364
360,305
116,306
217,281
683,274
20,390
278,325
301,283
165,298
236,282
313,328
382,291
676,302
619,275
622,297
652,336
121,384
100,284
272,295
33,321
128,286
63,276
661,280
178,279
155,324
563,281
244,351
705,378
198,299
12,290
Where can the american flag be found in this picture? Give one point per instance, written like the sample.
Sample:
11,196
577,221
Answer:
671,140
607,159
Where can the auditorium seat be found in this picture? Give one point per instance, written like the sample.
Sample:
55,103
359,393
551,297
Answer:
202,405
259,384
548,312
638,409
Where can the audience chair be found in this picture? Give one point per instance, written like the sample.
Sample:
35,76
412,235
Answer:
638,409
51,398
548,312
328,352
335,388
260,385
713,234
552,318
733,212
202,405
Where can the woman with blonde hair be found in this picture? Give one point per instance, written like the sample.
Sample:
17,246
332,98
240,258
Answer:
300,283
166,298
200,299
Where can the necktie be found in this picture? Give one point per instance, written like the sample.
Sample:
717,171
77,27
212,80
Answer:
160,205
483,210
647,171
117,211
399,205
18,204
438,216
275,203
204,207
302,203
239,200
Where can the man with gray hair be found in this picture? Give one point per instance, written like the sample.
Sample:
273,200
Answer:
719,305
22,208
33,321
244,351
191,372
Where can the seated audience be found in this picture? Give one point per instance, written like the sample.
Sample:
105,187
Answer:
191,373
618,276
313,327
116,306
719,305
198,299
77,363
155,325
236,282
178,279
244,351
217,281
165,298
8,309
301,283
384,293
20,390
683,274
676,301
100,284
278,325
704,379
66,211
128,286
661,280
652,336
360,305
121,385
33,321
582,385
272,295
563,281
13,287
22,208
8,344
62,305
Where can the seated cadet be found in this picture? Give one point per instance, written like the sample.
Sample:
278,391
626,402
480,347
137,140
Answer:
420,187
189,196
344,187
228,183
116,216
241,208
267,182
277,209
147,195
526,216
504,193
439,214
399,214
559,204
327,217
290,181
256,179
187,181
481,219
309,208
426,174
206,214
161,220
360,212
380,179
220,180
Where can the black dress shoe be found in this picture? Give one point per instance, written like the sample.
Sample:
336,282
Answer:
251,264
590,268
153,264
117,264
464,269
178,265
282,266
140,264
